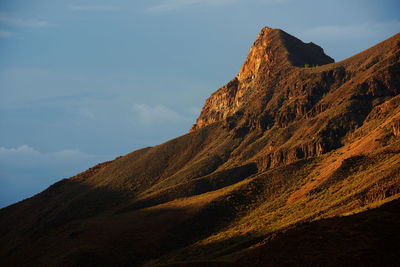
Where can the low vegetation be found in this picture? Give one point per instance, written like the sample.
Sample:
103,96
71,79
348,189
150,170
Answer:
306,170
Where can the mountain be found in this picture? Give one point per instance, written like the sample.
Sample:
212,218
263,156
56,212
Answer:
296,160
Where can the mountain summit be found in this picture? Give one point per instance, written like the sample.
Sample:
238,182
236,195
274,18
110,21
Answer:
295,161
273,54
274,50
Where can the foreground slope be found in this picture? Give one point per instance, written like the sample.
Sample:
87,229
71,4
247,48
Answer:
292,140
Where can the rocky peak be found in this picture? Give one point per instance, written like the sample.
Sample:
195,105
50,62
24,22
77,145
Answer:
275,49
273,52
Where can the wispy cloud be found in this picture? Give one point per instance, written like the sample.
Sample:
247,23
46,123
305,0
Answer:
24,149
25,171
28,151
170,5
25,157
12,20
95,8
356,31
5,34
159,113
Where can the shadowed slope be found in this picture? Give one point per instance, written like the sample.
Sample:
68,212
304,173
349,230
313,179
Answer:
369,237
277,146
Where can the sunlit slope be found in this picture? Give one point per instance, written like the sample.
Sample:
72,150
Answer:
274,152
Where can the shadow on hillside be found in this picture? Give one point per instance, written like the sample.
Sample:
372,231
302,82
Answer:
197,186
31,227
369,238
73,224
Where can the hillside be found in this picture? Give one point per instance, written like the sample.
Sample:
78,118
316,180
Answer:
295,160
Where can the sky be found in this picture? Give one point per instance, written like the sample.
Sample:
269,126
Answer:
84,81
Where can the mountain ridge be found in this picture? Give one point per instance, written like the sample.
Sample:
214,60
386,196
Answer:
302,145
273,52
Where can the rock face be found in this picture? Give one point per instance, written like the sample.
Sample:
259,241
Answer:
219,105
274,52
278,146
396,127
285,84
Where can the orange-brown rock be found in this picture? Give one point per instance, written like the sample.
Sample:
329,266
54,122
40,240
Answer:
396,127
273,53
274,153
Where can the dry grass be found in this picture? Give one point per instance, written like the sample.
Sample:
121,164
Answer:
310,144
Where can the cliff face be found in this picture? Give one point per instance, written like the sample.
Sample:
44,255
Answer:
396,127
278,146
273,54
280,88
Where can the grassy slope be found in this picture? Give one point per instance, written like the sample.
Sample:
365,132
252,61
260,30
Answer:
208,194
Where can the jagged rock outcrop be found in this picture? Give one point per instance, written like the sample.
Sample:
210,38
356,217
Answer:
273,53
275,158
219,105
396,127
275,90
278,146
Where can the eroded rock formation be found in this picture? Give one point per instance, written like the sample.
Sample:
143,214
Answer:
273,53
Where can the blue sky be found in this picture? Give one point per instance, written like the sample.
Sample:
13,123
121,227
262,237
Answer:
82,82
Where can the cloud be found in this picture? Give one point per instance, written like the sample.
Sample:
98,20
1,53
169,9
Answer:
5,34
356,31
95,8
170,5
9,19
24,151
159,113
25,158
25,171
32,88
